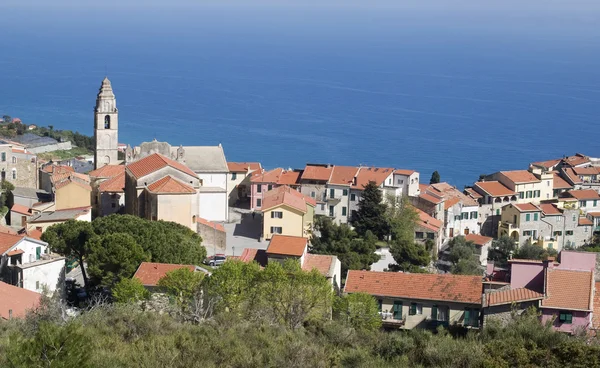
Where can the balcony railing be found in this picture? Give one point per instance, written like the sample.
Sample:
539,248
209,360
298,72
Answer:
388,318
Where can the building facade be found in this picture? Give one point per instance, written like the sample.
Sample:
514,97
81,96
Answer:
106,126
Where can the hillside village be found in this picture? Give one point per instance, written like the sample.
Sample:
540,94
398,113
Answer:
246,213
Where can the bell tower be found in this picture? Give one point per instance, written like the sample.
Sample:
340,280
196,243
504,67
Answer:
106,126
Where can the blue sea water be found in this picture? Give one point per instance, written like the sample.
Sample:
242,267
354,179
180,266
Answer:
463,91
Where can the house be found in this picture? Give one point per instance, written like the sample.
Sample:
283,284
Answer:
560,185
529,186
491,195
430,202
410,301
47,171
288,212
213,234
545,166
238,181
594,217
283,247
150,273
406,182
568,174
18,165
339,201
429,228
108,189
71,190
577,160
563,292
313,181
26,262
383,179
587,199
43,220
28,196
15,302
19,215
461,212
482,246
264,181
159,188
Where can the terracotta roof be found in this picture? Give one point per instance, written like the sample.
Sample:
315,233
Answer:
149,273
17,300
7,230
57,169
267,176
287,245
63,183
55,178
428,222
107,171
585,222
169,185
526,207
211,224
343,175
512,296
546,164
7,241
257,255
596,314
374,174
18,150
314,172
520,176
289,178
584,194
154,162
572,176
577,159
471,192
549,209
451,202
430,198
320,262
404,172
115,184
494,188
590,170
35,234
19,208
15,252
478,239
560,183
285,195
243,166
568,289
451,194
594,214
452,288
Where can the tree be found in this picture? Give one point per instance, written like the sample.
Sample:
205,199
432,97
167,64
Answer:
6,119
410,256
232,285
182,284
71,239
435,178
353,252
360,310
463,257
129,291
501,250
371,212
114,257
402,218
532,251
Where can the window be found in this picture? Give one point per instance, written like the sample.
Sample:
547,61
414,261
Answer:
528,194
269,187
344,211
113,205
526,232
456,218
474,215
471,317
397,309
465,215
535,217
521,195
14,173
565,317
312,194
550,246
258,202
548,183
37,285
331,212
537,194
595,202
582,203
585,229
3,156
380,304
569,232
259,188
400,181
107,122
390,181
14,160
194,219
415,309
430,236
276,230
528,217
38,253
434,312
233,176
574,217
353,197
277,214
557,233
498,212
345,192
322,207
514,219
331,193
419,235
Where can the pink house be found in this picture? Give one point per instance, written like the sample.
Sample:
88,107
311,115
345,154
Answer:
263,181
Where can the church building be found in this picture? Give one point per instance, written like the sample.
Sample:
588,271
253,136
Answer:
106,127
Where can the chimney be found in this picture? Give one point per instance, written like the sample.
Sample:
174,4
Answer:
10,314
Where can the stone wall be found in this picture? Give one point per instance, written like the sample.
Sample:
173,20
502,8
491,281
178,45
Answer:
60,146
212,238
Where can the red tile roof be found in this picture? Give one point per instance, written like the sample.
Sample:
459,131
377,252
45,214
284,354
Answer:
471,192
285,195
577,159
211,224
35,233
512,296
549,209
430,198
478,239
596,316
107,171
15,252
343,175
254,255
594,214
374,174
560,183
314,172
451,194
17,300
572,176
520,176
154,162
289,178
585,222
271,177
169,185
287,245
451,202
546,164
404,172
584,194
19,208
57,169
7,241
526,207
494,188
64,182
451,288
243,166
568,289
7,230
428,222
320,262
149,273
115,184
590,170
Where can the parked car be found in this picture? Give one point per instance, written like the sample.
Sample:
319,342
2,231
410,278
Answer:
216,260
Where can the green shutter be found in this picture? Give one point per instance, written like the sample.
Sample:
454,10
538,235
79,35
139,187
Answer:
413,309
331,193
476,214
380,304
475,321
434,313
569,318
343,211
497,212
467,316
397,309
38,252
528,217
535,217
345,192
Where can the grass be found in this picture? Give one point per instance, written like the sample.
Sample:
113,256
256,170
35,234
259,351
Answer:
64,154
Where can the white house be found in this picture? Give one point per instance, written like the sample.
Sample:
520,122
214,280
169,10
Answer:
406,182
482,244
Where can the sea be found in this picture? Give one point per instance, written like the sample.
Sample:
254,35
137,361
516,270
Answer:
462,87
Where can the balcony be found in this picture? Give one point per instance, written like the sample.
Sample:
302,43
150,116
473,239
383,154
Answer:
387,318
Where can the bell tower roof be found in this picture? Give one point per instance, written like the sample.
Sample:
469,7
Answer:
105,90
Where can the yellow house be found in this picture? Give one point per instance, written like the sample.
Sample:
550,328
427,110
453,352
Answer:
529,187
72,192
288,212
